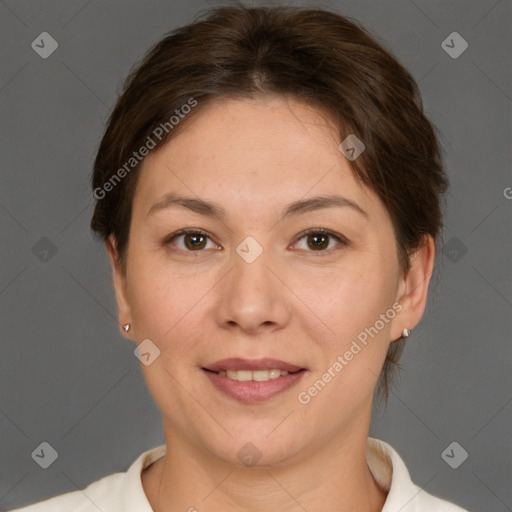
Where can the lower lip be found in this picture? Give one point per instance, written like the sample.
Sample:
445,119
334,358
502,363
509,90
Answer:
253,391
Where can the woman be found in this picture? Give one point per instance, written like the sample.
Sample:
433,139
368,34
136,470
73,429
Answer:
268,189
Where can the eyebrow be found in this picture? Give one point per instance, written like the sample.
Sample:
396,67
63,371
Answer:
210,209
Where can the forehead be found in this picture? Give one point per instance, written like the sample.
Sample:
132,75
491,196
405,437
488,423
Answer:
251,151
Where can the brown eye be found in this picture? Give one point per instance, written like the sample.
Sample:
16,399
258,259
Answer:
193,240
319,240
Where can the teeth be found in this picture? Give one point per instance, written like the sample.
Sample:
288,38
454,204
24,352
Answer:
259,375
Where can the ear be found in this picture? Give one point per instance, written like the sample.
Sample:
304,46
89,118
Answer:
413,290
119,281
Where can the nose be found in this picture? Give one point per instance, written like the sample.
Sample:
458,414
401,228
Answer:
253,297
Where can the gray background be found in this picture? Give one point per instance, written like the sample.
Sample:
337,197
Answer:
67,375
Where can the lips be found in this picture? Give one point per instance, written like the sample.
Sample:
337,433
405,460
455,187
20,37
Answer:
253,391
238,363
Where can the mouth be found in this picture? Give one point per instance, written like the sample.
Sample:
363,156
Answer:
260,370
255,375
253,380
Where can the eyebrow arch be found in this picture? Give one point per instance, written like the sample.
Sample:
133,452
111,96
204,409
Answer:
210,209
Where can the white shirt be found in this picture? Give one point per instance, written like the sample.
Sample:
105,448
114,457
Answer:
123,492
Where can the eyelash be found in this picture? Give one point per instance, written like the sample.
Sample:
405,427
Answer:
342,241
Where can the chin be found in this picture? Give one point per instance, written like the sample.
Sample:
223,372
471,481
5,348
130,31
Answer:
256,447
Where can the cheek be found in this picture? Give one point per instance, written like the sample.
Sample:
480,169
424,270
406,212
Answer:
354,310
347,300
164,302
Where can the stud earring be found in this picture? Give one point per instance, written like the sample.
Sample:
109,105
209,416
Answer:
406,333
126,327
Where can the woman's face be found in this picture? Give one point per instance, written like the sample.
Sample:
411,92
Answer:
254,286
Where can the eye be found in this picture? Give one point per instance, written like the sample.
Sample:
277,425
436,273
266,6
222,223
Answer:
194,240
317,239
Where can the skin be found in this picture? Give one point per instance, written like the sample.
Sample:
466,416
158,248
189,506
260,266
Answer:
294,302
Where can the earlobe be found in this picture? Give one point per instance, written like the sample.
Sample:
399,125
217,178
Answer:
414,288
119,282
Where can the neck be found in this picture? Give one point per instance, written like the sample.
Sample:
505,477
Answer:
334,476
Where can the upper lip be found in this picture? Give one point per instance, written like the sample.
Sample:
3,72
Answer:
239,363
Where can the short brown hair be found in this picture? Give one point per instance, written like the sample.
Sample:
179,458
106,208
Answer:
314,55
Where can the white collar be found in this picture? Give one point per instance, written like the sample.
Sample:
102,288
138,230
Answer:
386,466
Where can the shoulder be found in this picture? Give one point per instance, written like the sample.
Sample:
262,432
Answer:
96,494
390,472
112,493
